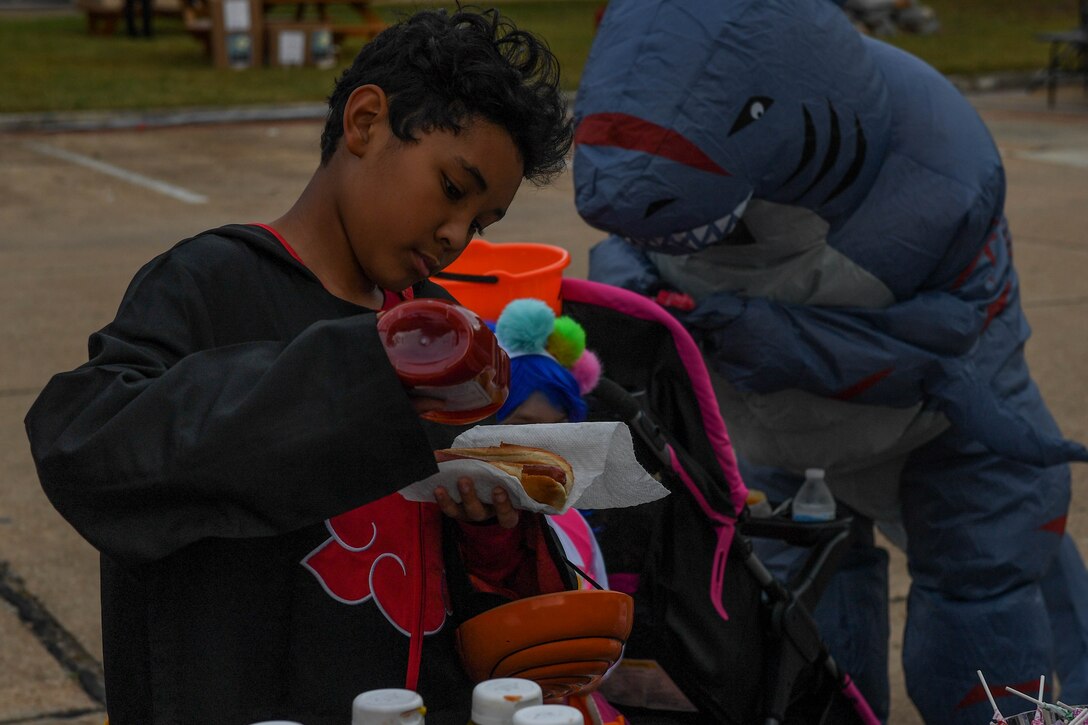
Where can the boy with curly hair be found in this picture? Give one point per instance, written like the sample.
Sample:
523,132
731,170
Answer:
234,443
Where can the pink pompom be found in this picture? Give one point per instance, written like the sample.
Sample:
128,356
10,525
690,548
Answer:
586,371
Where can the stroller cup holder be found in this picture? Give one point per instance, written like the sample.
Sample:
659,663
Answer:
799,645
828,541
798,533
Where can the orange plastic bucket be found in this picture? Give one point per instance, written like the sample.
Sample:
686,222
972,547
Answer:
487,276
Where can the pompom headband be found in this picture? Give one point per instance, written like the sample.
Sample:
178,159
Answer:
547,354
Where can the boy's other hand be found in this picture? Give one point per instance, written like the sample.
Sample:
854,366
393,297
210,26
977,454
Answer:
472,509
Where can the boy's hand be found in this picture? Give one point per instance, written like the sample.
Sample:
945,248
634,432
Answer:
472,509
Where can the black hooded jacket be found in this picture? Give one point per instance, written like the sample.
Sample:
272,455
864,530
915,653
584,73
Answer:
231,409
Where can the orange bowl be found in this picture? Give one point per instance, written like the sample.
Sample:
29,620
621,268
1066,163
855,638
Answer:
565,641
487,276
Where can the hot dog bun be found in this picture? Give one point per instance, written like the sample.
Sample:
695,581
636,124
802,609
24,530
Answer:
545,476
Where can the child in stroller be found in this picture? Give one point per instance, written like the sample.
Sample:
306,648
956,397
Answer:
550,373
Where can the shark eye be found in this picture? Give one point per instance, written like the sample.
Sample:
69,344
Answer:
753,110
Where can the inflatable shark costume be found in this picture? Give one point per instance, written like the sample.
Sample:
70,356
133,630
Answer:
835,208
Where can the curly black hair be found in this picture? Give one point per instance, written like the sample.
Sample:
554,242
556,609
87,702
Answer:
440,71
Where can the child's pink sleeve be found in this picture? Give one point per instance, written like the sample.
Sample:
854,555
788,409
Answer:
515,562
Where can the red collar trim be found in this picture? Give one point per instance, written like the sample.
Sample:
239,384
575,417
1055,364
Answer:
281,240
391,298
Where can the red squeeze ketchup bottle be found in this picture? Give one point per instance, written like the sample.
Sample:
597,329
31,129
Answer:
445,351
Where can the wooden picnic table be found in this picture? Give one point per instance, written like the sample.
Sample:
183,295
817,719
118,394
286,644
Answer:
199,17
368,25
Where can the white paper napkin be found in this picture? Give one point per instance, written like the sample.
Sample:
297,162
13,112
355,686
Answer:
606,474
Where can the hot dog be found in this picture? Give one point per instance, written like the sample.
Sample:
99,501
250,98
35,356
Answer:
545,476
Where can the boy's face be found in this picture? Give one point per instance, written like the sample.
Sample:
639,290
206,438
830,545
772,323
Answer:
410,208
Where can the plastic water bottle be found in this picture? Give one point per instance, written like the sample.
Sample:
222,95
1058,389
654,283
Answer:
813,501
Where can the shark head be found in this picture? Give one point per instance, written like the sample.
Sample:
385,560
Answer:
687,109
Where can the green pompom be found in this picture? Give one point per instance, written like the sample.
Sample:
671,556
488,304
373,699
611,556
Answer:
567,342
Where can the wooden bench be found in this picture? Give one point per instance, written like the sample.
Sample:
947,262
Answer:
197,19
362,30
1068,56
1068,59
371,23
103,15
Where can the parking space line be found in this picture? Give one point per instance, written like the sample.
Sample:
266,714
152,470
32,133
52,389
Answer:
1065,157
175,192
53,636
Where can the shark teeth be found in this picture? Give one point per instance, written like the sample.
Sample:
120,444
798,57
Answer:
692,240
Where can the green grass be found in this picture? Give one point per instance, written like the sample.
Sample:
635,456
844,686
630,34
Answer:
52,64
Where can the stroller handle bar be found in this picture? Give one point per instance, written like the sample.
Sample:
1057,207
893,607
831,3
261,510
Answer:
624,405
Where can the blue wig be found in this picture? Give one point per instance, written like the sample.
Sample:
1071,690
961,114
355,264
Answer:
546,354
533,372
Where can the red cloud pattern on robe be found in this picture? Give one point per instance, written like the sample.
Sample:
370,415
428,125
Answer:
388,551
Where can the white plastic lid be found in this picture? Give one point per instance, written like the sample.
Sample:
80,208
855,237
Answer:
495,701
548,715
387,707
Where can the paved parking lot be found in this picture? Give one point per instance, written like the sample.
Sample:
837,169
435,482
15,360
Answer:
81,211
